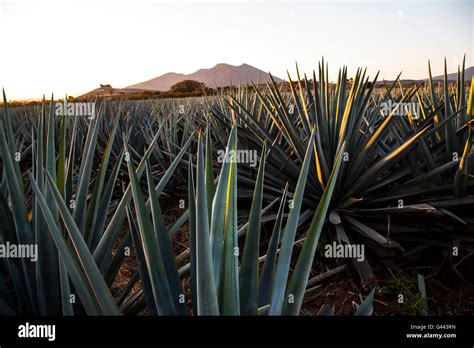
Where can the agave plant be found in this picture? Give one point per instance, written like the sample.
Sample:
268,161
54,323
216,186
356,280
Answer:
395,170
223,280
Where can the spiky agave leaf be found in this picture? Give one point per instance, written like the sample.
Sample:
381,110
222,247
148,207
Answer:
268,270
284,258
299,279
164,298
248,276
207,300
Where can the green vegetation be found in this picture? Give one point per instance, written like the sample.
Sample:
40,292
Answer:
412,301
189,87
143,180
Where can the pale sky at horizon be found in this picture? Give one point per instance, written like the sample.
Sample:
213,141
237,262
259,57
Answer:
70,47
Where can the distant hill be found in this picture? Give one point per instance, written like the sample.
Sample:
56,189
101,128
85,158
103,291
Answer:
221,75
468,74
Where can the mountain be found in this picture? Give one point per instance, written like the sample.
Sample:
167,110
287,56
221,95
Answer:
468,74
221,75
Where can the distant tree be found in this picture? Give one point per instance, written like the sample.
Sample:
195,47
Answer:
188,86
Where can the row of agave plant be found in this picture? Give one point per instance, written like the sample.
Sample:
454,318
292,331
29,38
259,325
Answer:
89,191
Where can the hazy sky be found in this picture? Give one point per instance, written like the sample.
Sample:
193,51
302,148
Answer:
71,46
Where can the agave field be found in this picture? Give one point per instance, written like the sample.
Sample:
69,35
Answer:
145,209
